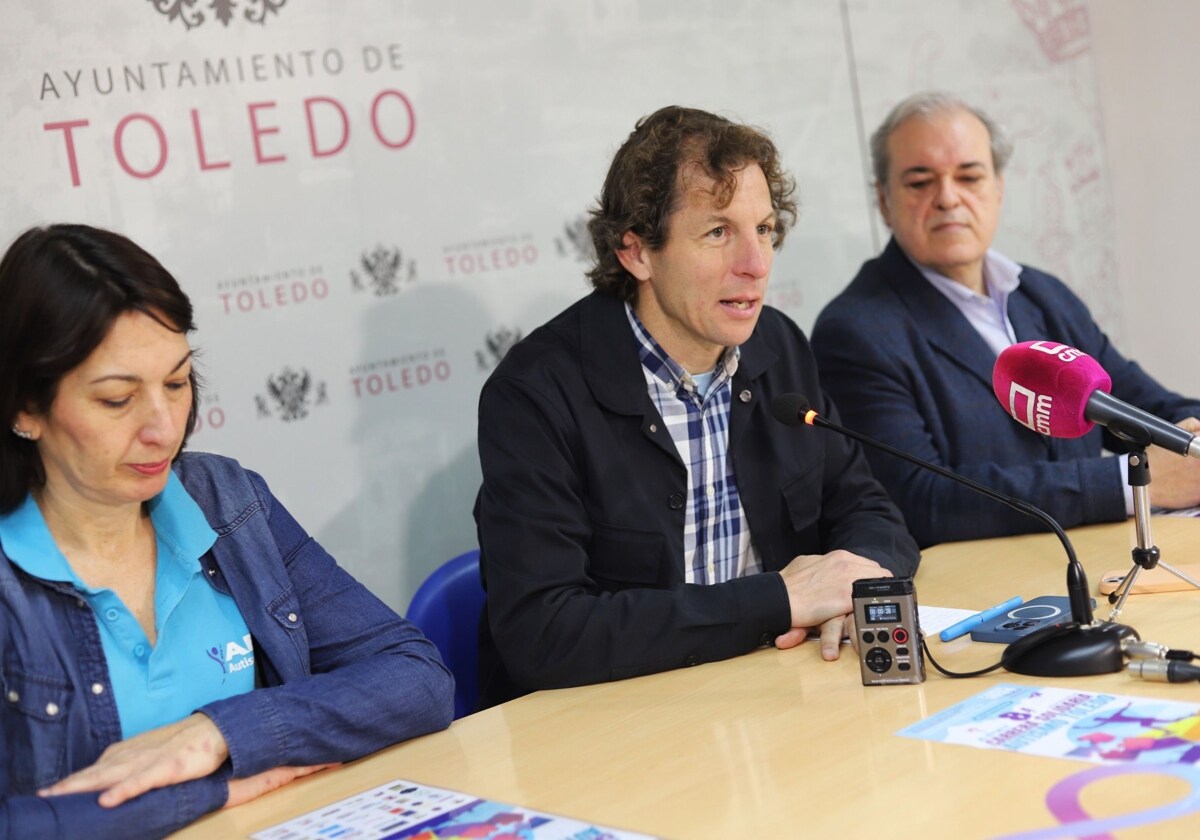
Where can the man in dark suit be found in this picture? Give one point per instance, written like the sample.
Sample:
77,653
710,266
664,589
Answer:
907,350
641,509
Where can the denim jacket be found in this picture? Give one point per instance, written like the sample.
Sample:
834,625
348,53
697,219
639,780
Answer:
340,675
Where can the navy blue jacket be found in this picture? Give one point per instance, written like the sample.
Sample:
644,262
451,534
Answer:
341,674
582,507
906,367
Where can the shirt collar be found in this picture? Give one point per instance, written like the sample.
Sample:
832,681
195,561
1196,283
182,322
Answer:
179,525
660,365
1001,277
28,544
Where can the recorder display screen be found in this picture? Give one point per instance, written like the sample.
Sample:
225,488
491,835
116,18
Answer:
882,613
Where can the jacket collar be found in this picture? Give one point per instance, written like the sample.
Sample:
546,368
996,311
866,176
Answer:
1028,319
939,322
608,353
610,361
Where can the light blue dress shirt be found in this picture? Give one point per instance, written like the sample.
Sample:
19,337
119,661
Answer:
988,314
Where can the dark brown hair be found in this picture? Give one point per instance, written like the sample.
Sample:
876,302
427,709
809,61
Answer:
61,289
642,188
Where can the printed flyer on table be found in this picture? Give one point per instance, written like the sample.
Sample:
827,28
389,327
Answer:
1059,722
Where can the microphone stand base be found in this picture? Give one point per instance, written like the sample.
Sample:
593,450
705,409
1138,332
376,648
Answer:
1069,650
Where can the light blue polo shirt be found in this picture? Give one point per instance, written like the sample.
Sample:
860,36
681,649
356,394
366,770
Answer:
203,652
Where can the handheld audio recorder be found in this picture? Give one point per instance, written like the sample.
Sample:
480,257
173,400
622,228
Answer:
889,635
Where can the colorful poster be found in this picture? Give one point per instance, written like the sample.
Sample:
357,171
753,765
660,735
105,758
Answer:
1060,722
402,810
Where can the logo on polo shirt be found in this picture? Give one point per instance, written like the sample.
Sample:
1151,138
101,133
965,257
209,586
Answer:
233,656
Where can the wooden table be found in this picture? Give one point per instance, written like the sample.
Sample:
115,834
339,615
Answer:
781,744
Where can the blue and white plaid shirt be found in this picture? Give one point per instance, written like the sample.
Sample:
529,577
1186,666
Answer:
716,539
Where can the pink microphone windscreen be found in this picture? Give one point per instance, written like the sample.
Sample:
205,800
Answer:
1045,385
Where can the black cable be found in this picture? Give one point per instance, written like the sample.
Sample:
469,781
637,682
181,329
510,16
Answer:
943,671
1149,661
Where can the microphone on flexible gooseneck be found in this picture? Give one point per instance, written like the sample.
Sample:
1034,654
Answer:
1080,647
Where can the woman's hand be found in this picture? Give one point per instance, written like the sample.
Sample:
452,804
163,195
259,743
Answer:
190,749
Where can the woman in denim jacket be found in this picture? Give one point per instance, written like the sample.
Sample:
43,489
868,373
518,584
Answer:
171,640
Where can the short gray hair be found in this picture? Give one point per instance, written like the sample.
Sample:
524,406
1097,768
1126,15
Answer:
925,105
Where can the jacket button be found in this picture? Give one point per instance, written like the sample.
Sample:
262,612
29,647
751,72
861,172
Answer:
654,427
692,659
675,501
764,640
97,688
13,696
51,709
292,617
745,396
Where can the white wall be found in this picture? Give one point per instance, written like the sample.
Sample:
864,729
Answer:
475,136
1148,69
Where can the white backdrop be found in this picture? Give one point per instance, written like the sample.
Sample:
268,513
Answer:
367,201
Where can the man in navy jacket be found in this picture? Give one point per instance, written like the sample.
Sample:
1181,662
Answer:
907,350
641,509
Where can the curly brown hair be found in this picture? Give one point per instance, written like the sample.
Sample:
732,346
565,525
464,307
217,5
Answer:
641,190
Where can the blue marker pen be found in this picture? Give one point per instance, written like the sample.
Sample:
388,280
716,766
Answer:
971,622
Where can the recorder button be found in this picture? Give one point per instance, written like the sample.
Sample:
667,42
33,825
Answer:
883,636
878,660
869,637
900,635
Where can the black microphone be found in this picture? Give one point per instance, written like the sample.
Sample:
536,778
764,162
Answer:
1060,391
1141,427
1081,647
